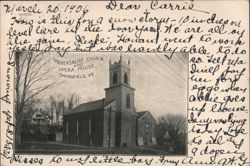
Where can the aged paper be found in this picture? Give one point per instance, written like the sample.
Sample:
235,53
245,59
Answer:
124,83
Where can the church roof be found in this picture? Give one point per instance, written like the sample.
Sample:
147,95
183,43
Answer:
90,106
109,102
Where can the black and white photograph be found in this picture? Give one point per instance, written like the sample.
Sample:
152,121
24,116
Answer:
101,103
117,83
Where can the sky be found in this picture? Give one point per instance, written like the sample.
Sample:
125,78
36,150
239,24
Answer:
160,83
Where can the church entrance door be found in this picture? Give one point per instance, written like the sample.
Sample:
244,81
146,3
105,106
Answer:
127,136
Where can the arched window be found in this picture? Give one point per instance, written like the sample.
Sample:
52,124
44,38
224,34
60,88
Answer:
115,78
128,101
125,78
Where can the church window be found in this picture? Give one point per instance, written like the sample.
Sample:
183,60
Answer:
125,78
77,127
67,128
90,126
38,115
128,101
115,78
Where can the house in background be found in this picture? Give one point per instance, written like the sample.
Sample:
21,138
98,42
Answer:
35,127
146,129
38,118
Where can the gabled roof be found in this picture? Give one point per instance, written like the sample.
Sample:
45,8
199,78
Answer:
28,116
140,114
143,114
90,106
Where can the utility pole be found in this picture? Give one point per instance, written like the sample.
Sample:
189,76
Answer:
109,146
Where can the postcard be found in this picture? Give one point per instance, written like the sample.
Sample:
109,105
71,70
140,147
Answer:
151,82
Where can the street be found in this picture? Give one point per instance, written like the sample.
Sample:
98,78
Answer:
52,147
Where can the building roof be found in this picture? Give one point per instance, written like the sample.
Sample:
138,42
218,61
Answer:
140,114
90,106
109,102
143,113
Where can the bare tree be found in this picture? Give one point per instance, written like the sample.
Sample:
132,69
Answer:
45,113
58,105
32,78
31,105
72,101
171,128
52,101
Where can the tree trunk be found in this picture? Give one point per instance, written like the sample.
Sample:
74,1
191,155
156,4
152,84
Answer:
18,129
17,109
52,116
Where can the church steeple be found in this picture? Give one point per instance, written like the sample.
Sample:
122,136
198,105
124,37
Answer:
122,93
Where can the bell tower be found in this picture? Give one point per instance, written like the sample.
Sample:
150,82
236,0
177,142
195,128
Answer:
119,73
121,91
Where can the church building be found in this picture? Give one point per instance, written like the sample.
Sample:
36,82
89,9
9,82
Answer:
110,121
